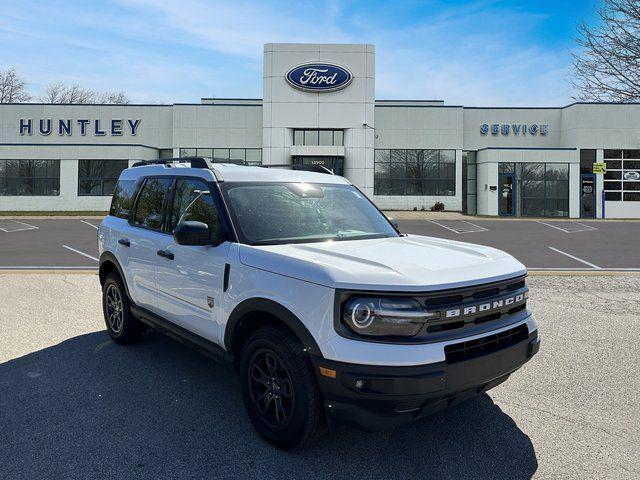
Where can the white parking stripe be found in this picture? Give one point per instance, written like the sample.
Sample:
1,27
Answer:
90,224
576,258
471,228
43,267
585,228
11,224
81,253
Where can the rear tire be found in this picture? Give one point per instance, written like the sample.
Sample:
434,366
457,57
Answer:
279,389
121,325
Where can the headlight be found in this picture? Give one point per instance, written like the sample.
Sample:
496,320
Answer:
384,316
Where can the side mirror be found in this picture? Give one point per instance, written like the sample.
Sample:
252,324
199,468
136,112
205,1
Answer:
394,222
192,233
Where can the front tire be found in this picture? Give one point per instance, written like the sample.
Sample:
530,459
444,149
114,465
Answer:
279,390
121,325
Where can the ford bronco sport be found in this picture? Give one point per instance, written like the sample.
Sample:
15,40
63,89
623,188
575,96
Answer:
301,285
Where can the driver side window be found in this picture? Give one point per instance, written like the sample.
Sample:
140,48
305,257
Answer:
193,202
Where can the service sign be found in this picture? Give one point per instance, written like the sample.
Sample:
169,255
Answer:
319,77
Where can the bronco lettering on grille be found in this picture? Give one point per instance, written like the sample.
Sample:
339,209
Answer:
487,306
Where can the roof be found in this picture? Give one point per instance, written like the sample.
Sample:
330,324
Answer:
240,173
228,172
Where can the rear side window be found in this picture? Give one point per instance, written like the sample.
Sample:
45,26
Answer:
122,200
193,202
149,206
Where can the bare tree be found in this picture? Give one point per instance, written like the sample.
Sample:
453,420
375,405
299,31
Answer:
75,94
13,89
607,67
119,98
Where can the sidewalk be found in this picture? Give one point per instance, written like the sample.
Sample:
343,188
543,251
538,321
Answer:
428,215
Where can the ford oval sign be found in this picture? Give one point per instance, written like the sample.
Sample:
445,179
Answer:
319,77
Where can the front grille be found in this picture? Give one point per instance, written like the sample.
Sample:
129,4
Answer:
457,300
459,352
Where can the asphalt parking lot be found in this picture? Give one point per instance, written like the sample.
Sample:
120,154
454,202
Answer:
75,405
70,243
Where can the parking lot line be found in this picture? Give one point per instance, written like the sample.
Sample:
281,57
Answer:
461,223
585,228
13,222
81,253
576,258
90,224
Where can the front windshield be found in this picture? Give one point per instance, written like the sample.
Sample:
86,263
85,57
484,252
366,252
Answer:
276,213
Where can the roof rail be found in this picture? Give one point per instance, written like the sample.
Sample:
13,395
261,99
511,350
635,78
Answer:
196,162
307,168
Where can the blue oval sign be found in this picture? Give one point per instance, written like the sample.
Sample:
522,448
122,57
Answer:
319,77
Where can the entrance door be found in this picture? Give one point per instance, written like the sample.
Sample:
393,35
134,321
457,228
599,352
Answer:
587,196
506,194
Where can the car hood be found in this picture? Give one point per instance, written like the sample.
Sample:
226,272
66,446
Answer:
409,263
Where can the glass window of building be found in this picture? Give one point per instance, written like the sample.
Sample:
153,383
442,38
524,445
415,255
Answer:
30,177
622,179
469,183
165,153
221,154
415,172
253,156
236,155
311,137
542,189
204,153
99,177
587,159
242,156
316,137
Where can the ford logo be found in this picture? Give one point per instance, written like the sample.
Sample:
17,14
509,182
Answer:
632,175
319,77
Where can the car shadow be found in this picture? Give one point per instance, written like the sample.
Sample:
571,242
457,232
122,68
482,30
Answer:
90,408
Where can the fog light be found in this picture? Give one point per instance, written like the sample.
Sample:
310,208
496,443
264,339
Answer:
359,384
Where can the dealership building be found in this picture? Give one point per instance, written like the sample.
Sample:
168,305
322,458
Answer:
319,108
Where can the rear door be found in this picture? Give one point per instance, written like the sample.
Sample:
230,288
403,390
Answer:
190,285
144,238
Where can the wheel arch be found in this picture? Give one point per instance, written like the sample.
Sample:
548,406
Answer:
254,313
109,263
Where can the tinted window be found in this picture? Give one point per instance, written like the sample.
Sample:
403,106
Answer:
98,177
122,198
415,172
193,202
29,177
149,206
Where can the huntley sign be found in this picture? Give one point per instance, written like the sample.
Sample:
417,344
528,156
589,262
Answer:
67,127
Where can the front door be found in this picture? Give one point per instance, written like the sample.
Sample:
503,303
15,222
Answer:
190,282
506,194
587,195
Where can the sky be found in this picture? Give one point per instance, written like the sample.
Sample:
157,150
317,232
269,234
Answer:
472,53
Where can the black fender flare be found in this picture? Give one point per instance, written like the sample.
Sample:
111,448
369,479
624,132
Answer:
271,307
108,257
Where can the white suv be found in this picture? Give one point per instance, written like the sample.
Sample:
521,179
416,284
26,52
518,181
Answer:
303,287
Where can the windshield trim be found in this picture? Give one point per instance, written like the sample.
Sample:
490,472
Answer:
226,186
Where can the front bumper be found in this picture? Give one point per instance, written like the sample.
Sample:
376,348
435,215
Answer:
382,397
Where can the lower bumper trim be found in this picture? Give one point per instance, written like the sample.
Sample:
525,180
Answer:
381,397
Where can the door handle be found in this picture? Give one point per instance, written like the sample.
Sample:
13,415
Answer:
166,254
125,242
